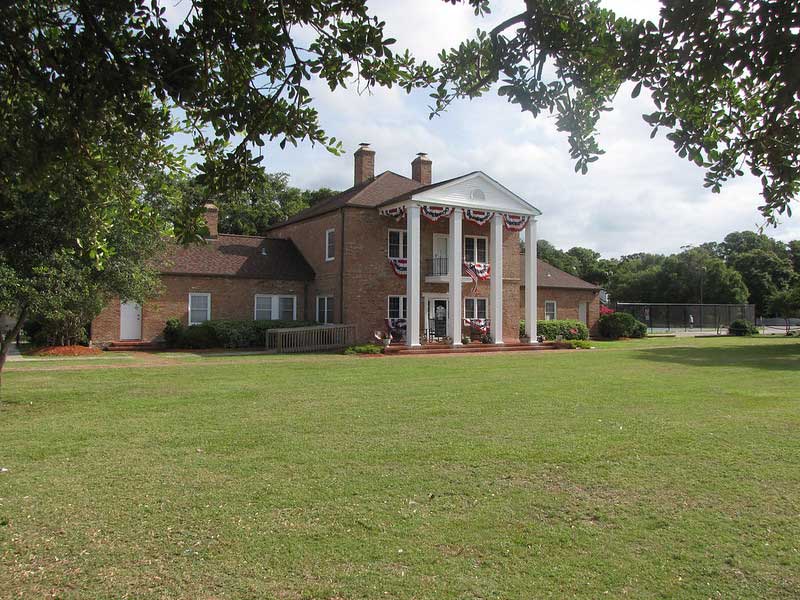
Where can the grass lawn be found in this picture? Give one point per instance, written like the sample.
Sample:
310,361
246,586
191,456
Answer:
655,469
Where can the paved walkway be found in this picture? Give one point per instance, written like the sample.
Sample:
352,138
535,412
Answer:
14,353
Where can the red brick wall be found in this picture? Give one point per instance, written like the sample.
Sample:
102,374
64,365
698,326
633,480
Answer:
231,298
369,279
309,237
567,301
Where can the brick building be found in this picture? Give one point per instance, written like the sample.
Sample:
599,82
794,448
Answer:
356,258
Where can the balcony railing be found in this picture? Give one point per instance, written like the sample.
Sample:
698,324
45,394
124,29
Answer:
436,267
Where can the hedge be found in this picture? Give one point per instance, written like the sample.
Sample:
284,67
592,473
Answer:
224,333
742,327
549,330
621,325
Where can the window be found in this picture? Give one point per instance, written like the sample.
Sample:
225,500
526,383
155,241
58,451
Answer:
550,310
475,249
199,308
325,309
330,244
263,310
398,244
398,308
275,307
475,308
286,308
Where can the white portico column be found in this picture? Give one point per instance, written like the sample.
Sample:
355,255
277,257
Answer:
412,277
496,279
531,282
454,270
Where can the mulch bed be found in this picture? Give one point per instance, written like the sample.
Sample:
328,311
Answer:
64,351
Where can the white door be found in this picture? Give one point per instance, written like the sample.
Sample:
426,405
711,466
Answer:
130,321
583,313
439,254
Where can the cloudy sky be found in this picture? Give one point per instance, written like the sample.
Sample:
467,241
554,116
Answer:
638,197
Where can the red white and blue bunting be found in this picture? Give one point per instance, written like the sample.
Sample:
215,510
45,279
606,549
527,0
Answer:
479,325
479,217
398,212
477,271
515,222
399,266
434,213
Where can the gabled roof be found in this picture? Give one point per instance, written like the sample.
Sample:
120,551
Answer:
475,190
366,195
549,276
252,257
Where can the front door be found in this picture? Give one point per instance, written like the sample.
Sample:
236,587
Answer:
439,254
130,321
582,313
437,316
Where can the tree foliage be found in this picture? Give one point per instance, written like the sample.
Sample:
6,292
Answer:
722,74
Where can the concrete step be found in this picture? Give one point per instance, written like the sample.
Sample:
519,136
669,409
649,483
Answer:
128,346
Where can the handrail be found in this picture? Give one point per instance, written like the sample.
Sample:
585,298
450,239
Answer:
310,339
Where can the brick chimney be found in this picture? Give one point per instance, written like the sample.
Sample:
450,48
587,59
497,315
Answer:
212,220
364,164
421,169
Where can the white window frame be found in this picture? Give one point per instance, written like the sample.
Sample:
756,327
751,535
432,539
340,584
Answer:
555,310
403,242
277,303
328,233
274,306
474,314
476,238
403,307
208,308
327,299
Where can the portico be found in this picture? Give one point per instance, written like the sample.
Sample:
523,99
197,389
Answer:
481,202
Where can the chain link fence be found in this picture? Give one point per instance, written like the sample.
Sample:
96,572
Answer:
664,317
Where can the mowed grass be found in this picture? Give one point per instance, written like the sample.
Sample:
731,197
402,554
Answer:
653,469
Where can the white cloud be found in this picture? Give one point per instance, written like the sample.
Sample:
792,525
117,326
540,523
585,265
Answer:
638,197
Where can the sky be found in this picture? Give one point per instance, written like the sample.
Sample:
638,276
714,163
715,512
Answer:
639,197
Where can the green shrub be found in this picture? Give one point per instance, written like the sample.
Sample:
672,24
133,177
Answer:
580,344
742,327
522,332
364,349
65,331
173,332
224,333
621,325
570,330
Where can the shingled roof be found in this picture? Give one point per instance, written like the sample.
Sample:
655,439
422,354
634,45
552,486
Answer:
385,186
245,256
549,276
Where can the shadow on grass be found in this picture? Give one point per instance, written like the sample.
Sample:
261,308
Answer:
774,357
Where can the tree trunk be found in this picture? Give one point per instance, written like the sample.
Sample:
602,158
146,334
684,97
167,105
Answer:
5,345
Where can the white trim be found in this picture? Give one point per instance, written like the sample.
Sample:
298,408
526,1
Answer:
555,310
208,309
316,314
403,237
476,237
403,304
475,305
329,258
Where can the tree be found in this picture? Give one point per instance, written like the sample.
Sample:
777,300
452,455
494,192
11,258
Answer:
793,248
764,272
695,275
785,303
558,258
267,199
88,92
722,74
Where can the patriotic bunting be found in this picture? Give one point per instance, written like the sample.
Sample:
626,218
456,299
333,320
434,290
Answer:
434,213
479,217
515,222
398,212
399,266
479,325
476,272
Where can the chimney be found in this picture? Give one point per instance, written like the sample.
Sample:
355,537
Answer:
364,164
421,169
212,220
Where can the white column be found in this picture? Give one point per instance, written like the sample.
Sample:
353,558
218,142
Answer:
454,270
531,282
496,279
412,277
